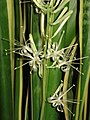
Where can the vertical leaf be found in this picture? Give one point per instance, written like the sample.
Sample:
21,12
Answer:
6,103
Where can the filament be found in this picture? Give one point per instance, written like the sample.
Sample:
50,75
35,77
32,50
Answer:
69,110
14,49
25,55
70,101
66,91
77,63
21,65
76,69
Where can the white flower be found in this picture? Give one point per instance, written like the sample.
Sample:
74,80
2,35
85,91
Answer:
57,100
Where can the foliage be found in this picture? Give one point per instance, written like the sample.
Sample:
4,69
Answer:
45,60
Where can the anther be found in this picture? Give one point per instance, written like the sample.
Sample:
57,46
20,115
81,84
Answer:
73,115
5,50
73,85
6,53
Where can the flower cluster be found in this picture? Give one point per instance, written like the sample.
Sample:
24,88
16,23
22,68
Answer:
61,58
58,101
30,53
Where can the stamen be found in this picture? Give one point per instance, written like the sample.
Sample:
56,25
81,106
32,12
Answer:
79,59
7,40
70,101
10,51
76,69
67,91
69,47
69,110
77,63
14,49
21,65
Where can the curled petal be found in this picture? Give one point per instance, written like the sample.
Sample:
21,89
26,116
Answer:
60,108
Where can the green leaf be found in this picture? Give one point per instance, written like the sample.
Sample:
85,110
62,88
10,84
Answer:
6,103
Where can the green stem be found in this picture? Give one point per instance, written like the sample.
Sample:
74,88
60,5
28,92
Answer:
45,73
21,78
44,90
31,96
80,40
31,83
45,69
